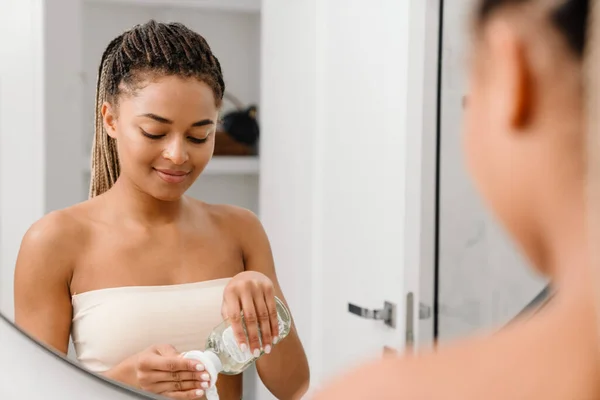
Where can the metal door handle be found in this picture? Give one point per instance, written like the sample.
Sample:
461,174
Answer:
424,311
387,314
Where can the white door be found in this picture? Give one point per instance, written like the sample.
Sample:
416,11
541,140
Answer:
483,280
347,156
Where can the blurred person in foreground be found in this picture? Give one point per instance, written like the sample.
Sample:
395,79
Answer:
525,138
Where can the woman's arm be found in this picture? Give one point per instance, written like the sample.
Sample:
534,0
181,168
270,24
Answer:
285,371
43,309
41,284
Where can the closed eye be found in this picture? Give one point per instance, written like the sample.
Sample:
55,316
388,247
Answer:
150,136
192,139
199,140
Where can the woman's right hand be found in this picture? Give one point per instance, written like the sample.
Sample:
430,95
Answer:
162,370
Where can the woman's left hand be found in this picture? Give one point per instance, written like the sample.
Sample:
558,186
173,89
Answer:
253,294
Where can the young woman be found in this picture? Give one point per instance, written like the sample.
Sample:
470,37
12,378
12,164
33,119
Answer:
525,137
140,273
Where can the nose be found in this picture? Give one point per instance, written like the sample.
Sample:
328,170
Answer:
176,152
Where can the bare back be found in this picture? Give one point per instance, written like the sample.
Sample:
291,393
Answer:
552,355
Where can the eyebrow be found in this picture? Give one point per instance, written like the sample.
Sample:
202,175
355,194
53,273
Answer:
163,120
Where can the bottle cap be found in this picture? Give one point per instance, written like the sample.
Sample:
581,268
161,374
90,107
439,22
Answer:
212,365
215,360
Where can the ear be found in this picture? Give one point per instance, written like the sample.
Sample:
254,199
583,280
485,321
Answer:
512,75
109,118
523,107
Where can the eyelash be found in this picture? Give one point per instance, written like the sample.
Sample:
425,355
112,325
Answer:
191,139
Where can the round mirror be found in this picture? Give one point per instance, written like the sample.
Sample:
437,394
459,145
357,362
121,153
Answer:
116,97
26,359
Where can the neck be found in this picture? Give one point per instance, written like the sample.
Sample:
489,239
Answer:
136,205
566,248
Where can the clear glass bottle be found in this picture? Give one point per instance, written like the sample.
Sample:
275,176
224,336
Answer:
224,352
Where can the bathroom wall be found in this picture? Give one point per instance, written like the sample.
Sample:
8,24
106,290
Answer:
39,124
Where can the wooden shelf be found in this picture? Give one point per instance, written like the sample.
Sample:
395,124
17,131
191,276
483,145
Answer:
248,6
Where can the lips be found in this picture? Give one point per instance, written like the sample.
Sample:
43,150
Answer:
171,176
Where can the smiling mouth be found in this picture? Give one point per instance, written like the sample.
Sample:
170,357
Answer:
171,176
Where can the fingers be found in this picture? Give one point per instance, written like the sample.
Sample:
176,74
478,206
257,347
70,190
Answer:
188,394
162,381
274,319
179,376
234,314
251,319
165,350
164,371
176,386
173,363
170,360
256,301
264,322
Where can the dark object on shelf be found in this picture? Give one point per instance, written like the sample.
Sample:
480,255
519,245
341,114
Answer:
239,132
226,145
242,125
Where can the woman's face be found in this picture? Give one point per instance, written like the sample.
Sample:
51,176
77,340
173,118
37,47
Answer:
165,134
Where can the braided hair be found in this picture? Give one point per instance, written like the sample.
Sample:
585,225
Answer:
145,51
570,17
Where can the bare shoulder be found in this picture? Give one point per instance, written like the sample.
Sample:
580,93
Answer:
43,273
59,235
233,214
243,226
533,359
57,230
